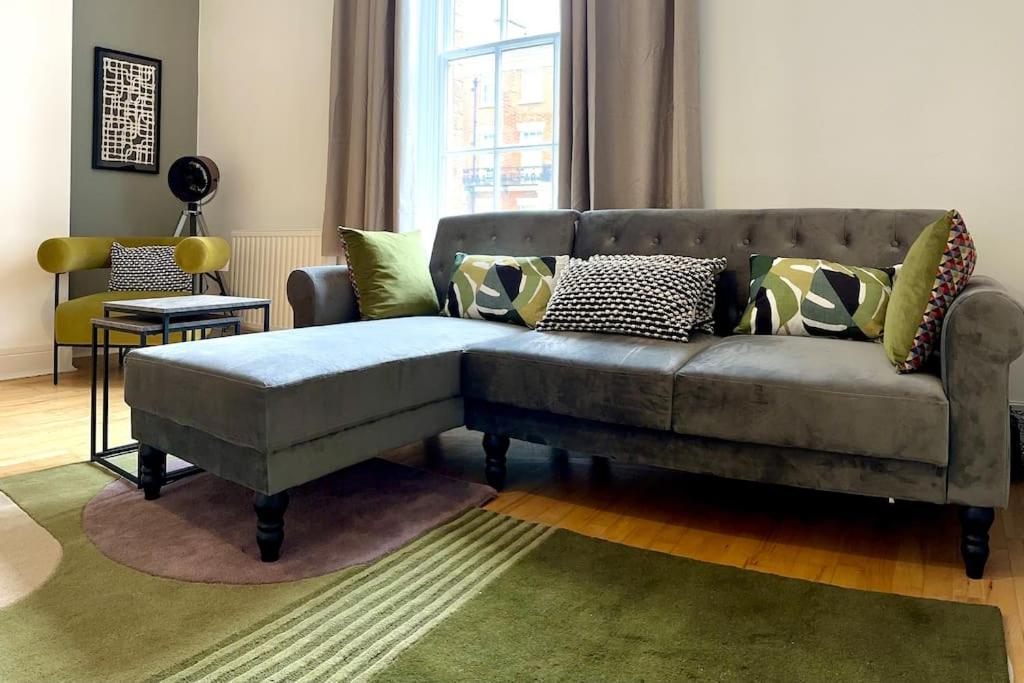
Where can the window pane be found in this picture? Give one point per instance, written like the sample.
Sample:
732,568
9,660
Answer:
469,183
475,22
527,180
470,116
531,18
527,82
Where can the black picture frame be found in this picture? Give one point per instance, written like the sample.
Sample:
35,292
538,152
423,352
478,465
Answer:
110,153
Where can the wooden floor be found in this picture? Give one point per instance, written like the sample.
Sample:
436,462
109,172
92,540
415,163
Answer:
905,548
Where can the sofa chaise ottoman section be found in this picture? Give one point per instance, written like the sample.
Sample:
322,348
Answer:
609,378
249,407
826,394
273,390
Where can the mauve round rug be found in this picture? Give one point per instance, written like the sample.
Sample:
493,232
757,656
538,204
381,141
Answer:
203,528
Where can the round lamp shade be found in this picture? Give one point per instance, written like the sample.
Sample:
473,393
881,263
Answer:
193,179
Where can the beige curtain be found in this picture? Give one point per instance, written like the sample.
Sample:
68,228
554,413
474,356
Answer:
629,119
360,156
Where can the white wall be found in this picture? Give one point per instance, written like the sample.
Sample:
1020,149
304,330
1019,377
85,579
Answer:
35,176
264,84
874,103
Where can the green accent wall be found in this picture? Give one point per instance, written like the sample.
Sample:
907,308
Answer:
115,202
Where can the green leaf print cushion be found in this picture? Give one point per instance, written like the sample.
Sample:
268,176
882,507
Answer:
508,289
815,298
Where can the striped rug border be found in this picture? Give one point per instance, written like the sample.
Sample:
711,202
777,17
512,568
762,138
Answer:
354,626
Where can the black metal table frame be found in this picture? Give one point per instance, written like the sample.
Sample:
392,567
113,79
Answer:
102,456
167,318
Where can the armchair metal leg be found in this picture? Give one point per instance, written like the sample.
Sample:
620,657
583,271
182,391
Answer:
56,303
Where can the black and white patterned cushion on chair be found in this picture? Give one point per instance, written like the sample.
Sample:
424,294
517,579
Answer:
146,269
662,296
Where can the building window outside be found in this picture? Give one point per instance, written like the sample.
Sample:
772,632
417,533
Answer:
499,143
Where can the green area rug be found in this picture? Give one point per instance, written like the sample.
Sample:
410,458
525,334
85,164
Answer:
486,597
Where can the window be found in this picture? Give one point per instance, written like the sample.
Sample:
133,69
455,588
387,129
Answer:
498,143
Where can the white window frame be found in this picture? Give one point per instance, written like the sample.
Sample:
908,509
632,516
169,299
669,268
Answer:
447,55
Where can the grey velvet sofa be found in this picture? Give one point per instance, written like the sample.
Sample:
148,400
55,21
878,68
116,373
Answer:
274,410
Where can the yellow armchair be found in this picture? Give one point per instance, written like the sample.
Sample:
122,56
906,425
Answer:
72,318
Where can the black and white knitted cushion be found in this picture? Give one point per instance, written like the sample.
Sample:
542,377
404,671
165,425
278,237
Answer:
146,269
665,297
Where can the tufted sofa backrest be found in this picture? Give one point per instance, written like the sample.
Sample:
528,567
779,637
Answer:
855,237
510,233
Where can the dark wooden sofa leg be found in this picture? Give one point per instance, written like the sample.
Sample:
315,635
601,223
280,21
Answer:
152,469
270,523
974,526
495,447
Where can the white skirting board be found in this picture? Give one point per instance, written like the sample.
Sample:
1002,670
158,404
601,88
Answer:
32,361
260,264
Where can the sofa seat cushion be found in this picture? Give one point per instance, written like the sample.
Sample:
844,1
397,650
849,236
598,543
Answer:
611,378
823,394
273,390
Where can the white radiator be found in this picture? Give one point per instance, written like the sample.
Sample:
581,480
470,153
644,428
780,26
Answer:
260,264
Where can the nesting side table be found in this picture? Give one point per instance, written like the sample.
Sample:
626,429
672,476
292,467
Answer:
187,315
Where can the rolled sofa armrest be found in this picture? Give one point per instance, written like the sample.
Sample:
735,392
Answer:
198,255
322,295
983,333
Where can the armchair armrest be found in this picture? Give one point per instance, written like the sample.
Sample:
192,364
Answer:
198,255
67,254
322,295
982,334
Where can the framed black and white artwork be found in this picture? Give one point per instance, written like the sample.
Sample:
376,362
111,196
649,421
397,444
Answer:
126,112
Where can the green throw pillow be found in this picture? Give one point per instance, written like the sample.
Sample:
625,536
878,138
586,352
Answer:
506,289
389,274
815,298
938,266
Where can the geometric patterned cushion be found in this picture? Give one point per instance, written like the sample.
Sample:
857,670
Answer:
938,266
507,289
815,298
661,296
146,269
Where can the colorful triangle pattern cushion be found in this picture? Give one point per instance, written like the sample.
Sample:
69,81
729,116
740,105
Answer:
938,266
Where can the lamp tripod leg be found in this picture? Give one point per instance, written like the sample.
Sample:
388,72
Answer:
182,220
215,276
201,225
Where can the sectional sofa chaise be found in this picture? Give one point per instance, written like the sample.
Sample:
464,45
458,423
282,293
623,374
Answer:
271,411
